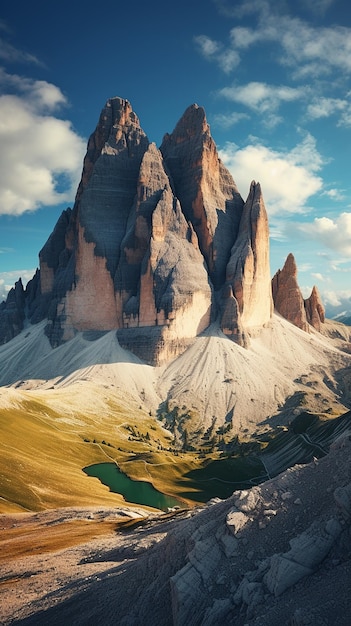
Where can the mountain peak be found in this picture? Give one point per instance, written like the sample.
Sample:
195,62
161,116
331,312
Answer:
192,122
158,245
288,300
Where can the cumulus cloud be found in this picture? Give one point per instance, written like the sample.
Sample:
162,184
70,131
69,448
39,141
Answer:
337,303
41,155
283,175
332,233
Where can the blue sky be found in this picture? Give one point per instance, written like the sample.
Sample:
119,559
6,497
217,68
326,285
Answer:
273,76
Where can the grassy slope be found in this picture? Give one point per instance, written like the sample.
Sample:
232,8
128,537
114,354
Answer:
43,451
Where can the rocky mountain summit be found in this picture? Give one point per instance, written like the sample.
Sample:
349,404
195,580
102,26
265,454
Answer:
158,245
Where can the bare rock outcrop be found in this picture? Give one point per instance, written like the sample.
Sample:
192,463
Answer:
161,280
287,297
12,313
207,192
133,260
315,311
238,570
277,553
288,300
248,279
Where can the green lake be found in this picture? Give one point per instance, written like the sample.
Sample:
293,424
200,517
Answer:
136,491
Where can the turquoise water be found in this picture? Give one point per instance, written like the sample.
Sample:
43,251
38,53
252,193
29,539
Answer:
136,491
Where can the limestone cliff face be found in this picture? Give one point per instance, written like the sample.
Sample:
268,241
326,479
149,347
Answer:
248,296
133,260
161,280
207,192
289,302
84,294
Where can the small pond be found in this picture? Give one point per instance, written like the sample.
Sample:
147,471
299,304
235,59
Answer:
136,491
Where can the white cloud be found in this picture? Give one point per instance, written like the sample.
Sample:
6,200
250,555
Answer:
314,50
9,53
337,302
212,50
228,60
226,121
242,37
318,276
207,46
261,97
324,107
333,233
238,10
307,50
40,154
333,298
318,6
334,194
288,179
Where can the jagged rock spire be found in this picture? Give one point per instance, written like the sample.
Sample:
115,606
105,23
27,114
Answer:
248,273
206,190
289,302
314,308
287,297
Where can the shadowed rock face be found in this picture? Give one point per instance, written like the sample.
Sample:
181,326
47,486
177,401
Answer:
12,313
158,243
207,192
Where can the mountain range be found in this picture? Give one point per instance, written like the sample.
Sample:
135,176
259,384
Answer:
159,244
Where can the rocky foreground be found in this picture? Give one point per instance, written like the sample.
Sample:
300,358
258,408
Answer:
277,554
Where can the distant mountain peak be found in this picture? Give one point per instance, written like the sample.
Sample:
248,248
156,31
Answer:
289,302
